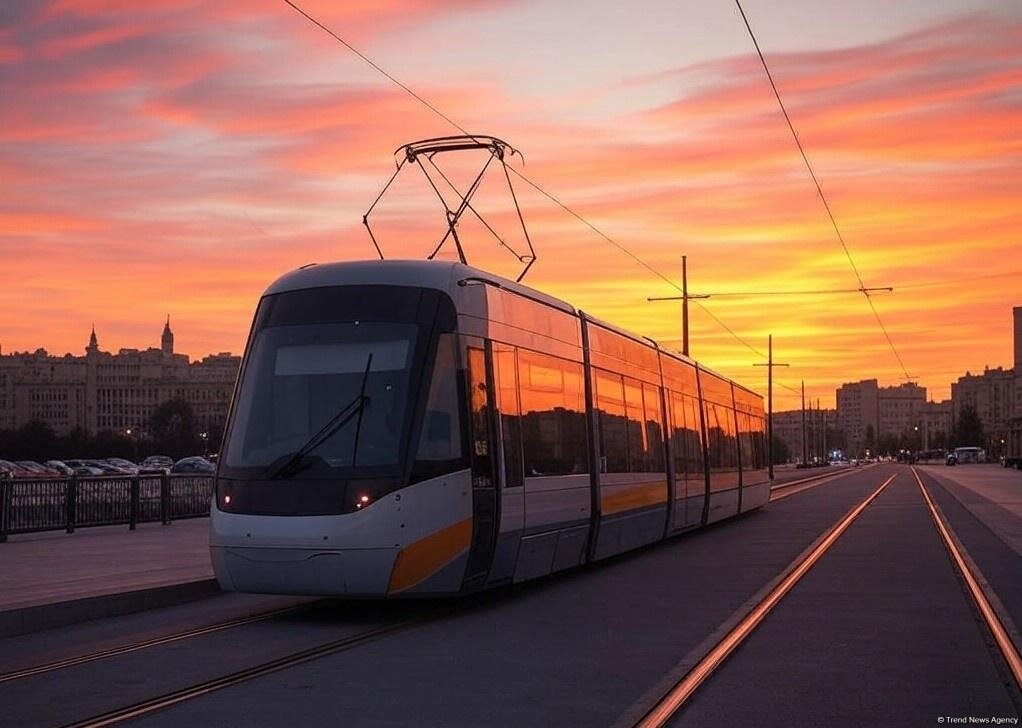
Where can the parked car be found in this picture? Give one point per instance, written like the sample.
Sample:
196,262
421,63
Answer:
123,464
60,466
37,470
156,465
13,470
82,467
195,464
106,468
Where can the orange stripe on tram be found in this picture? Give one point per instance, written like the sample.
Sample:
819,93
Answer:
640,496
425,557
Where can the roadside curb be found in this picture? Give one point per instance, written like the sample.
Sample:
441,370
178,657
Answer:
40,617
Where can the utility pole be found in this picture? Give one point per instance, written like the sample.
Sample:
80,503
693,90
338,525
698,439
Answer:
684,298
684,305
770,400
823,414
803,422
823,429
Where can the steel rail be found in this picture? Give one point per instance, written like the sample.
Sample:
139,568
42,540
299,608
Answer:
1008,649
168,700
145,644
669,704
785,490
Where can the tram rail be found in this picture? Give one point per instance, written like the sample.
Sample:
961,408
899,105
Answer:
167,700
75,660
1008,650
784,490
664,708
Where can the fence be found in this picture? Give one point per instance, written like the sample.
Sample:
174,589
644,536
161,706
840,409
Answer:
47,504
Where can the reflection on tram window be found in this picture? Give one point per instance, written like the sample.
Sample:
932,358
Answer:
298,378
629,420
506,377
686,436
440,444
745,441
655,457
610,406
553,415
720,431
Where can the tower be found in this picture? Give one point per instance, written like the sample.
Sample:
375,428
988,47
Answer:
93,346
1017,313
167,340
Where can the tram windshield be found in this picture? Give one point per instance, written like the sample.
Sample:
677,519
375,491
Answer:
299,377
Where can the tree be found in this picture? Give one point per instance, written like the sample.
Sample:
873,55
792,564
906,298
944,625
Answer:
871,439
888,444
782,453
35,440
968,431
172,428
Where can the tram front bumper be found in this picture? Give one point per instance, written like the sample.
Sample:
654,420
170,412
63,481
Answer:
313,572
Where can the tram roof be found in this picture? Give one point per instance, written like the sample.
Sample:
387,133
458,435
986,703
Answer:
445,276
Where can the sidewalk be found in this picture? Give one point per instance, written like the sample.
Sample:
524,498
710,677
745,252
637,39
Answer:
991,493
54,578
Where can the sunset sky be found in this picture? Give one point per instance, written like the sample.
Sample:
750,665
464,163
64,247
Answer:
175,157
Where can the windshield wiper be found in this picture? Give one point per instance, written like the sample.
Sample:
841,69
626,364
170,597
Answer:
332,427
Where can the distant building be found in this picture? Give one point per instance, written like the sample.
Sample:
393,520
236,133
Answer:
1016,411
992,394
104,391
864,406
1017,314
788,429
936,422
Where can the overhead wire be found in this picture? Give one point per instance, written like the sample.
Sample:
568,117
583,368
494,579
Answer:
536,186
819,190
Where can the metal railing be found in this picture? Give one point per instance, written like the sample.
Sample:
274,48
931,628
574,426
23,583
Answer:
48,504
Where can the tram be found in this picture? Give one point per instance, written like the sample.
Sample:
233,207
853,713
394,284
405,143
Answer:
423,428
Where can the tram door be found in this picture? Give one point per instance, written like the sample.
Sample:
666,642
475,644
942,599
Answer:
483,453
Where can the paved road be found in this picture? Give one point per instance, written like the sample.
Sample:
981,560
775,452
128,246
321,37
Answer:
879,633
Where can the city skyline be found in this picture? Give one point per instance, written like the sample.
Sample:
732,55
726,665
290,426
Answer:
168,158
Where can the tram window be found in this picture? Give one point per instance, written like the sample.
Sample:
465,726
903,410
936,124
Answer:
721,435
610,404
759,442
552,415
638,443
653,428
298,377
441,425
693,437
506,377
630,422
745,441
676,408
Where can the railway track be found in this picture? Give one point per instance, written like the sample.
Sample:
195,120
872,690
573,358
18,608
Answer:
785,490
675,698
146,644
669,704
167,700
1009,651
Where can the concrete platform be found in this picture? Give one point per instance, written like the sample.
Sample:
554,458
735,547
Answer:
54,578
992,494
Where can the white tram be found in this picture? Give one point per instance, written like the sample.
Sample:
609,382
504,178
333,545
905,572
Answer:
422,428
